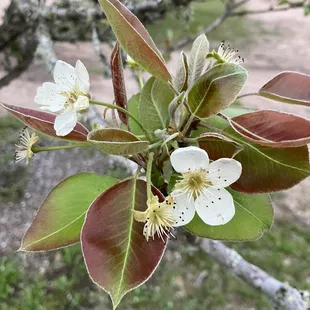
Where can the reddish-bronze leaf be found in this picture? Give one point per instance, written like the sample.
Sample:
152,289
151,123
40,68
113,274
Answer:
288,87
135,39
218,146
118,81
44,122
266,169
117,256
273,129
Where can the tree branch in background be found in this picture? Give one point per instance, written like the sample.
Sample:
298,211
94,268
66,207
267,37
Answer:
231,10
282,295
16,38
46,48
20,17
27,48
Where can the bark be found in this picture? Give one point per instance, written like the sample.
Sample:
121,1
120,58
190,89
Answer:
283,296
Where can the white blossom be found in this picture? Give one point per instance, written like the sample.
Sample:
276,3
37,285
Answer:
67,96
24,146
202,187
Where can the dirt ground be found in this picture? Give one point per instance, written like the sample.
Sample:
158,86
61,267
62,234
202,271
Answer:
284,48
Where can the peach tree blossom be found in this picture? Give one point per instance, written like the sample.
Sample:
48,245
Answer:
203,162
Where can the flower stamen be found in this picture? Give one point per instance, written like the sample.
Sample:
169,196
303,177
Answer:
24,146
158,218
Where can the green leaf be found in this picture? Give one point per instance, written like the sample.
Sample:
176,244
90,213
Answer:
153,106
179,81
117,141
254,215
266,169
134,38
133,108
288,87
197,59
216,89
272,128
59,220
117,256
218,146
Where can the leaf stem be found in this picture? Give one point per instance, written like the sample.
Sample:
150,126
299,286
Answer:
37,149
112,106
188,124
149,175
140,78
247,95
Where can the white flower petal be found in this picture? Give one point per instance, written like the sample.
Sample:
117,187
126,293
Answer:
65,122
82,77
82,103
183,208
215,207
189,158
224,172
65,76
48,95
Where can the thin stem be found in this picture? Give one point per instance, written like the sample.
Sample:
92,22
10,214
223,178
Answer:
37,149
140,79
112,106
247,95
188,124
149,175
156,144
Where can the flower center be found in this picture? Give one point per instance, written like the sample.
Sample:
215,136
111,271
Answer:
194,182
71,97
159,218
160,214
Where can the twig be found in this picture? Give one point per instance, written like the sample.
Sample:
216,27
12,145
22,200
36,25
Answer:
218,21
229,11
283,296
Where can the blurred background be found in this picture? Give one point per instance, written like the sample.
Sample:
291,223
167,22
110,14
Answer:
271,38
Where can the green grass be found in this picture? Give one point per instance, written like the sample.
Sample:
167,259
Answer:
284,253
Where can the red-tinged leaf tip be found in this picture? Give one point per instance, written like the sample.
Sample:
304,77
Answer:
117,256
273,129
288,87
60,218
44,123
135,39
